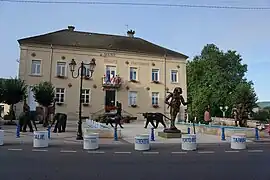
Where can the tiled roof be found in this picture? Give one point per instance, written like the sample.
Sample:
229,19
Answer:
67,37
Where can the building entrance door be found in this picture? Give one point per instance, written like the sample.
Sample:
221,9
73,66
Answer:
110,100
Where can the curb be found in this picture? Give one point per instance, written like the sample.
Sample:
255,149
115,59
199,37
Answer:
261,141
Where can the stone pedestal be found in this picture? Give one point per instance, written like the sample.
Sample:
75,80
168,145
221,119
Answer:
169,135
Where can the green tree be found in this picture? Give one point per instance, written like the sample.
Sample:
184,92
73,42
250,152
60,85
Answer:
217,78
1,90
245,95
14,91
263,116
44,95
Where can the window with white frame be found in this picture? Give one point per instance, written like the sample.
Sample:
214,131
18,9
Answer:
86,70
86,96
61,69
174,76
155,98
133,73
60,95
155,74
36,67
110,73
132,98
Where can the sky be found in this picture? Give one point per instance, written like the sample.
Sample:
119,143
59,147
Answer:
185,30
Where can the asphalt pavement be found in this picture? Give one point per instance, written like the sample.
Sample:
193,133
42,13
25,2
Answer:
163,161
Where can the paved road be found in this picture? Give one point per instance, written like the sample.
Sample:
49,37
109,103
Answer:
129,148
121,162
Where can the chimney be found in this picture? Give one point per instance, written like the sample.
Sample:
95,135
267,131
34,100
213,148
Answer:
71,28
130,33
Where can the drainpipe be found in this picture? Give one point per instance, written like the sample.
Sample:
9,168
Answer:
165,81
51,64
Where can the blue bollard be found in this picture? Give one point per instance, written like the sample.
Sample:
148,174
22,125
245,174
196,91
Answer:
223,134
188,130
257,134
49,132
115,134
152,134
18,131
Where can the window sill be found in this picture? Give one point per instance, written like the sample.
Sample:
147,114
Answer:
59,104
61,77
175,82
87,78
134,81
156,82
86,104
155,106
35,75
133,106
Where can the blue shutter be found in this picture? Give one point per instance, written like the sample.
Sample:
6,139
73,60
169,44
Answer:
108,75
130,74
113,73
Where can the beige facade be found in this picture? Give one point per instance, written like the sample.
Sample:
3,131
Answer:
144,78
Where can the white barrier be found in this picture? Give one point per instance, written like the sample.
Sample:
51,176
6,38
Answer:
90,141
142,142
93,124
238,141
189,142
1,137
41,139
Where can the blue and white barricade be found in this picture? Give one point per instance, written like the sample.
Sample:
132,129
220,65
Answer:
96,124
189,142
93,124
238,141
1,137
91,141
41,139
142,142
89,122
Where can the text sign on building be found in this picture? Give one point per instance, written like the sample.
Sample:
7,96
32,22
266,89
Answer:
108,54
139,63
110,61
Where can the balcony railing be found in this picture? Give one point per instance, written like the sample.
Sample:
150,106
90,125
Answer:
113,82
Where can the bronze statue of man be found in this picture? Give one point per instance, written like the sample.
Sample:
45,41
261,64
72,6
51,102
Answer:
174,104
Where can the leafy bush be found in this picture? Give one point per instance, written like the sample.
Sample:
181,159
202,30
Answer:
13,91
1,90
44,95
261,115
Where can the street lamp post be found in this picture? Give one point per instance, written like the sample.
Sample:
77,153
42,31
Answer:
80,73
223,109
